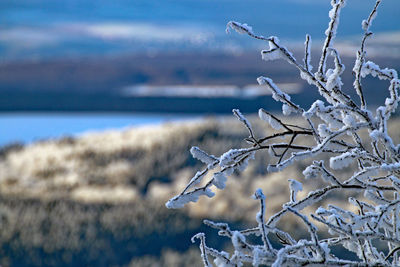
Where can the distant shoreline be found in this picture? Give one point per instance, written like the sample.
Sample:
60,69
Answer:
98,85
53,102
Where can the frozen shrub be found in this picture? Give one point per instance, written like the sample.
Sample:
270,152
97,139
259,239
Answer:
372,229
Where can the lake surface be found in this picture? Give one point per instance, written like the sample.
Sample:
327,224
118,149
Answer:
29,127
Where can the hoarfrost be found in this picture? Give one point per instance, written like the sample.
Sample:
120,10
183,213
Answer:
230,157
333,128
219,180
311,172
199,154
287,110
265,116
180,201
274,52
295,186
221,262
239,27
341,161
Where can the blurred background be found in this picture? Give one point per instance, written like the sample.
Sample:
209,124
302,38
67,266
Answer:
100,102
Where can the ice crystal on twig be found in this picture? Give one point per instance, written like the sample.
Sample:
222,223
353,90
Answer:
333,129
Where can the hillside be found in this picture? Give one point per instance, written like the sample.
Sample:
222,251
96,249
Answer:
98,200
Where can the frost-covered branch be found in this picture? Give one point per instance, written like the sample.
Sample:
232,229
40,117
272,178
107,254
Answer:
261,218
339,134
307,53
330,33
360,61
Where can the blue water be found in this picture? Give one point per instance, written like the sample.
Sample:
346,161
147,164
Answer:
29,127
60,28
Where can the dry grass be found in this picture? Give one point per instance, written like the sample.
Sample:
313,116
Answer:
103,194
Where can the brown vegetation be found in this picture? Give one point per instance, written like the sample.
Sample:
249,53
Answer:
99,199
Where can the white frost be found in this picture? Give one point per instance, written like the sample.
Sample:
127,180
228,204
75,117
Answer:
296,186
221,262
277,94
287,110
311,172
237,240
307,56
341,161
241,28
349,120
323,130
268,118
199,154
271,54
219,180
274,52
364,25
230,157
180,200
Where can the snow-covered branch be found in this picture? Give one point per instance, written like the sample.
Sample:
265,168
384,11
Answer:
334,138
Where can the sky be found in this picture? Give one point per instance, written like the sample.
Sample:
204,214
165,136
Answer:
36,29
